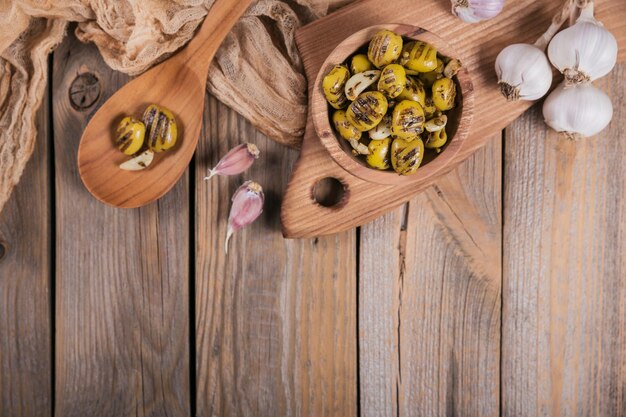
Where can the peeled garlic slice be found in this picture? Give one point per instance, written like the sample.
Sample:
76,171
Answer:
141,161
382,129
436,124
359,147
359,82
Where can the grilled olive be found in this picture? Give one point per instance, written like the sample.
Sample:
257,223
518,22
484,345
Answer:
413,90
444,93
379,157
436,140
422,57
367,110
392,80
360,63
407,120
384,48
161,129
430,110
428,78
344,127
334,84
130,135
406,156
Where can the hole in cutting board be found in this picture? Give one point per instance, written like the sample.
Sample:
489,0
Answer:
329,192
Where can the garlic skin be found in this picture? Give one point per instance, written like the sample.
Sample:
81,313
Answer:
585,51
472,11
247,206
236,161
580,111
524,72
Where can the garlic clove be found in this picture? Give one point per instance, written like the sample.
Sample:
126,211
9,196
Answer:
247,206
382,129
360,148
359,83
585,51
141,161
472,11
524,72
580,111
236,161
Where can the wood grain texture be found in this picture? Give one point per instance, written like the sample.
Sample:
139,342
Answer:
429,303
25,355
177,84
122,327
521,21
564,316
275,319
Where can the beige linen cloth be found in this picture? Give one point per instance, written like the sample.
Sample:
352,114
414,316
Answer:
257,70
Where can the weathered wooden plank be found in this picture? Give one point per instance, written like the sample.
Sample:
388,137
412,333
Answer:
122,319
429,306
25,356
564,294
275,318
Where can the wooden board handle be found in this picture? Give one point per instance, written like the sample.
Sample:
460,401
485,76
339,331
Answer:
521,22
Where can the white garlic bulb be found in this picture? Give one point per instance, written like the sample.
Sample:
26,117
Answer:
585,51
577,111
524,72
472,11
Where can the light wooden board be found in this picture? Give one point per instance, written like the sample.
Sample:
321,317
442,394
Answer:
479,45
429,304
564,293
275,319
25,341
122,319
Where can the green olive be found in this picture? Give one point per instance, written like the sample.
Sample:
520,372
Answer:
360,63
407,120
436,140
161,129
429,108
130,135
346,129
334,84
379,157
406,156
428,78
367,110
413,90
444,93
384,48
392,80
422,57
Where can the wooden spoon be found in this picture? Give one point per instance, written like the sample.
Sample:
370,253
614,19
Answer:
177,84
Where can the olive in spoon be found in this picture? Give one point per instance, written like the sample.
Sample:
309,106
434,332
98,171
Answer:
177,84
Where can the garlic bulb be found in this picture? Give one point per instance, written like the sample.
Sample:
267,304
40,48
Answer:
472,11
585,51
579,111
524,72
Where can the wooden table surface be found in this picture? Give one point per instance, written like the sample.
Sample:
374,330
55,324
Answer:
499,291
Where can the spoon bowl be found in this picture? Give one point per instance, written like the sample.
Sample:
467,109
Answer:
177,84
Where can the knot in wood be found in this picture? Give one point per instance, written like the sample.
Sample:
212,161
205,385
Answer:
84,91
3,250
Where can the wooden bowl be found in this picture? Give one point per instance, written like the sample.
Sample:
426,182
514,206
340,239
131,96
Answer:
459,118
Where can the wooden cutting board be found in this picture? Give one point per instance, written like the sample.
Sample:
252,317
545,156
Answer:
478,44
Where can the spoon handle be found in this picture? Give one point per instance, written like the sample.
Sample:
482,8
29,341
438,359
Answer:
220,19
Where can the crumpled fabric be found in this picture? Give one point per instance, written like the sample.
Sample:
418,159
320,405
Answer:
257,70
